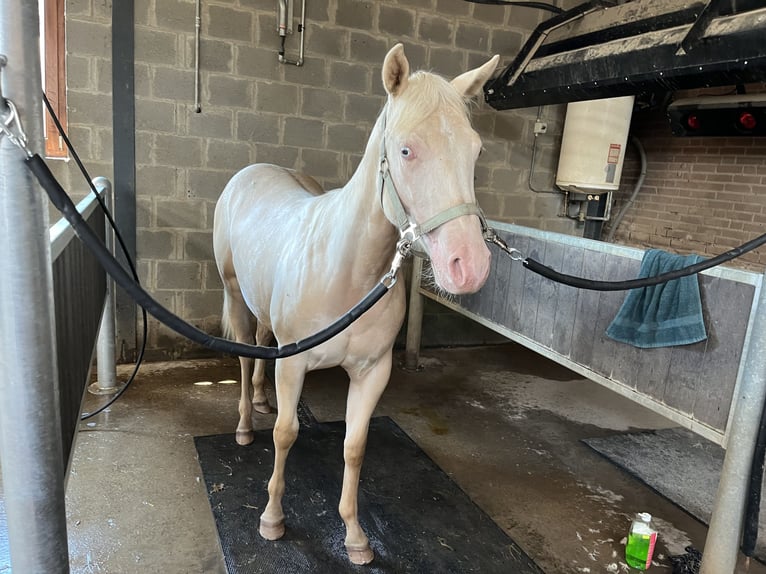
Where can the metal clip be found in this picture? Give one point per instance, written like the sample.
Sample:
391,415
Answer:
3,62
19,137
491,237
403,247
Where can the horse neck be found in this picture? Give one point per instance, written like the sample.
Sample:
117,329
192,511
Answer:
373,237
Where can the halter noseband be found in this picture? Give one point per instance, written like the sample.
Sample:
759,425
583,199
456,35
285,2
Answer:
409,230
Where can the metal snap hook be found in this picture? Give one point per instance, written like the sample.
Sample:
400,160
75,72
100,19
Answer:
19,138
491,237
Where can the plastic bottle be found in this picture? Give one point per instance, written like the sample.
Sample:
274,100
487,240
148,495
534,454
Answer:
641,540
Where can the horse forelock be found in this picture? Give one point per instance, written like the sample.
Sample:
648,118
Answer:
426,94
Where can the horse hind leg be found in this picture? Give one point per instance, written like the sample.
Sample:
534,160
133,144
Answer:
260,402
237,321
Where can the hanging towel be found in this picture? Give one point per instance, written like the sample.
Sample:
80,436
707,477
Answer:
662,315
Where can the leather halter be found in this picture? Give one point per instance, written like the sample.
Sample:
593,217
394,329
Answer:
409,229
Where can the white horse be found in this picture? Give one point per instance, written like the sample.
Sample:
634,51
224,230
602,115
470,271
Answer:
297,258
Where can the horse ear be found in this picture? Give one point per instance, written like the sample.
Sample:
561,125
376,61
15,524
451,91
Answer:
396,71
470,83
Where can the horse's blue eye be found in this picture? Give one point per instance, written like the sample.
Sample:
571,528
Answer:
406,152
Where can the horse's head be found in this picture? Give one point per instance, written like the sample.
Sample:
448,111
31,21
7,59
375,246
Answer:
430,151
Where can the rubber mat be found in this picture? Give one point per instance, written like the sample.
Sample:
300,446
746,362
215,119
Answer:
417,519
678,464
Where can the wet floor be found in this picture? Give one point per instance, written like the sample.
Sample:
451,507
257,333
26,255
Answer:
503,422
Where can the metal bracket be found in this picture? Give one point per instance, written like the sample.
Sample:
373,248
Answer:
698,28
3,62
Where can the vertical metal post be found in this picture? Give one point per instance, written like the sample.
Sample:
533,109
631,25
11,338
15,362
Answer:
105,348
124,154
414,317
30,439
725,531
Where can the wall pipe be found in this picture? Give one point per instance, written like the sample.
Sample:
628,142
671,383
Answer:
725,530
283,32
30,439
197,27
639,183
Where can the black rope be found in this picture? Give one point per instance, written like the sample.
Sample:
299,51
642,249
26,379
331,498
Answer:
126,253
593,285
64,204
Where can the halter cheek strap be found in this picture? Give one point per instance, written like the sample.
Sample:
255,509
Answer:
408,229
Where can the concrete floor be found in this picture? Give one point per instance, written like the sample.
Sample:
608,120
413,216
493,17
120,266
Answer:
504,423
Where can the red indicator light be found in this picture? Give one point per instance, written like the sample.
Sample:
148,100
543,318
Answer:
747,120
693,122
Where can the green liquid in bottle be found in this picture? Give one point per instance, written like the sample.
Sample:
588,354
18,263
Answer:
637,551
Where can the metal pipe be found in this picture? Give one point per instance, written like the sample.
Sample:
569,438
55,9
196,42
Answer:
105,349
725,530
301,29
414,317
30,439
639,183
197,27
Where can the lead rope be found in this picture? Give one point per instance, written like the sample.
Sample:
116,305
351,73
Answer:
593,285
10,127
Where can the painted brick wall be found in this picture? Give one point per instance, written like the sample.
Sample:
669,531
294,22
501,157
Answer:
315,118
701,195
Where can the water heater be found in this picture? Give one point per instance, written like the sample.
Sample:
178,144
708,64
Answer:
593,144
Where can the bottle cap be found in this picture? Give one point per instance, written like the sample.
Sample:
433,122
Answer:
645,516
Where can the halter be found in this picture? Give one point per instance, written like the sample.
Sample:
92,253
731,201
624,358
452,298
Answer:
410,232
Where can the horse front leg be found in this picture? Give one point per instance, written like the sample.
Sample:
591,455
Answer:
289,383
364,391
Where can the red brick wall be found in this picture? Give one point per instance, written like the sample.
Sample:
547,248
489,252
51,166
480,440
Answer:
701,194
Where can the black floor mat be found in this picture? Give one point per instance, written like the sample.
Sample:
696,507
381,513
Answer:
417,518
678,464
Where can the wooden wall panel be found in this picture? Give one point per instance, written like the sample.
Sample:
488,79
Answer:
692,383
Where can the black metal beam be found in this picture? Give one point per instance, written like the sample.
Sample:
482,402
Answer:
732,51
124,145
537,38
700,26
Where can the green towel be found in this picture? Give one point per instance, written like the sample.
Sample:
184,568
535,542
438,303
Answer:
663,315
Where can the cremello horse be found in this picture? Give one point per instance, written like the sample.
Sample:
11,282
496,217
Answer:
297,258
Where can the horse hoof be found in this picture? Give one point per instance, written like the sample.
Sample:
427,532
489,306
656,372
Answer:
244,438
272,530
360,555
262,407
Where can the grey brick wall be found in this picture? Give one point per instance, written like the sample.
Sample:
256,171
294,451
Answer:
315,118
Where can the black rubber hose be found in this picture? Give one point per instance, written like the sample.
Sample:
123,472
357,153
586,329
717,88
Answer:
125,251
64,204
537,5
583,283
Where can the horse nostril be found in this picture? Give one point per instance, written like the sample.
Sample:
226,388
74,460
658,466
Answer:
456,270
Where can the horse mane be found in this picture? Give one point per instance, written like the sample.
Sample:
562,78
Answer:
425,93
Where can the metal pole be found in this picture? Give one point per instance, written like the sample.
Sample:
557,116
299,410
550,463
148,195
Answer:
725,531
414,318
30,440
105,348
